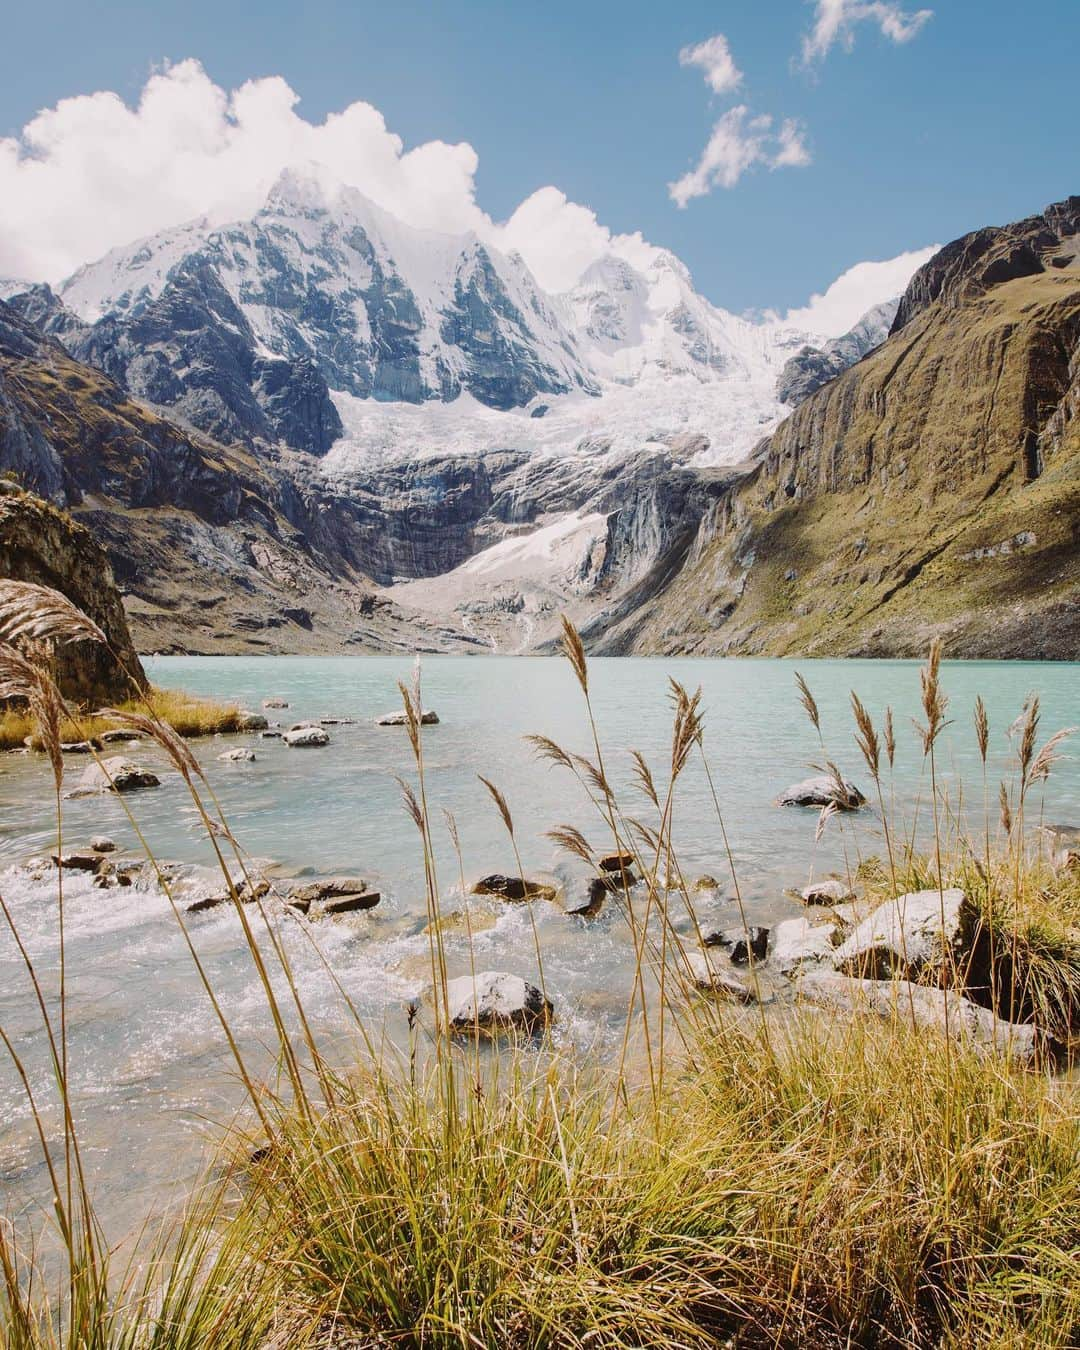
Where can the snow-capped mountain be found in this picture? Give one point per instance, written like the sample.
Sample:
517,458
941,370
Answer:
325,322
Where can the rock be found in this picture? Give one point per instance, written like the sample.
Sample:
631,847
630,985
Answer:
306,736
706,883
337,721
240,754
270,735
927,1007
246,892
830,892
115,774
911,933
496,1002
345,904
251,721
822,791
1062,841
400,719
742,944
119,736
798,942
712,977
101,843
617,862
78,862
275,702
514,888
463,921
80,747
599,890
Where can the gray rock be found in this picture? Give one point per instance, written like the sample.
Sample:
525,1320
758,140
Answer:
275,702
270,735
514,888
120,736
400,719
333,895
713,977
822,791
798,942
346,904
830,892
741,943
79,747
496,1002
101,843
251,721
911,933
240,754
926,1007
306,736
114,774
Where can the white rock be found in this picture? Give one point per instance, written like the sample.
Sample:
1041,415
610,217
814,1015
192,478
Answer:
798,942
240,754
496,1002
829,892
101,843
251,721
709,974
306,736
925,1007
908,934
114,774
400,719
822,791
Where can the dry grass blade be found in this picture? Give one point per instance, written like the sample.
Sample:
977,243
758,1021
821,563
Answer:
1048,756
982,727
866,737
452,829
827,813
593,774
890,737
408,796
412,717
500,802
644,777
648,836
545,748
25,675
574,651
687,726
42,614
572,841
1029,731
808,701
934,700
1005,810
173,745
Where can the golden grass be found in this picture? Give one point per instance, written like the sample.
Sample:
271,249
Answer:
188,714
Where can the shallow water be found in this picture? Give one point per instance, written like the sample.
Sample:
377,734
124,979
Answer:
151,1081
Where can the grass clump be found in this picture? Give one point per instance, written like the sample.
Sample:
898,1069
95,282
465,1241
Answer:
189,715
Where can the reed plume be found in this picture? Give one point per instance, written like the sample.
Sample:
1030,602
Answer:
41,614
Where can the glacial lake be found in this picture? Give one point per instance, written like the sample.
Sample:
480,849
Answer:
152,1083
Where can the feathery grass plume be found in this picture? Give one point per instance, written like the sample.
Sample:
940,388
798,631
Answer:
572,841
890,737
43,615
452,829
574,651
827,813
1029,731
646,834
982,727
687,726
500,802
808,701
593,774
1048,756
1005,810
408,796
866,737
412,717
644,778
935,701
545,748
173,745
25,675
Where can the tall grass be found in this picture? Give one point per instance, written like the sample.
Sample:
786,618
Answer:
190,715
750,1178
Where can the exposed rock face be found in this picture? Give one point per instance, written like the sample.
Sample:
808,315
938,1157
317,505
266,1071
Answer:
811,367
933,488
917,932
42,544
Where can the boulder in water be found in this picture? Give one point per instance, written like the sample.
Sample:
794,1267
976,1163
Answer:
514,888
496,1001
306,736
401,719
823,790
114,774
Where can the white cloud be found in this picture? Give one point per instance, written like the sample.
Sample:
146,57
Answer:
835,20
857,290
714,57
558,238
738,142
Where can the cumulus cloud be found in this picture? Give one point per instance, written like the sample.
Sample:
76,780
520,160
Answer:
714,58
857,290
835,21
738,142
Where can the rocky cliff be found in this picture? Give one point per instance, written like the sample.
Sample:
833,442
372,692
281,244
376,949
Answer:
44,545
932,488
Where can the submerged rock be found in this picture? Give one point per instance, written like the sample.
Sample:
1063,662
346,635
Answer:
514,888
101,843
114,774
304,737
741,943
240,754
400,719
251,721
911,933
822,791
80,747
275,702
706,883
713,977
333,895
598,890
927,1007
118,736
496,1001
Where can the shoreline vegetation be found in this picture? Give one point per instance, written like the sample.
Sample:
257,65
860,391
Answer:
742,1174
189,715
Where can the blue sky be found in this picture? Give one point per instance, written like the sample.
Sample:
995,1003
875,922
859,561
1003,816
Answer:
972,120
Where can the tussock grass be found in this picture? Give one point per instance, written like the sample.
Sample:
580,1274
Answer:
736,1178
189,715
